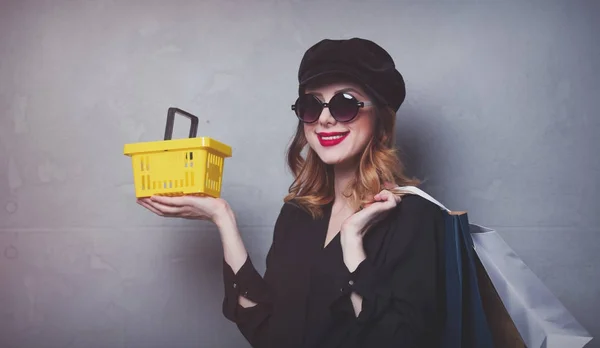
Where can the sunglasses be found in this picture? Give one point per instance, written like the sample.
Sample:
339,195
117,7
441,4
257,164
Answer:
342,106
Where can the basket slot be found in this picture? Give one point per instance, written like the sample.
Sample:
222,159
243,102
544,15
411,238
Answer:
144,163
189,159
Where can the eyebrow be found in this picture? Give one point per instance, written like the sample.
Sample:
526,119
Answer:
347,89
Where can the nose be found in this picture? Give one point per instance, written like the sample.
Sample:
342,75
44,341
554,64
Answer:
325,118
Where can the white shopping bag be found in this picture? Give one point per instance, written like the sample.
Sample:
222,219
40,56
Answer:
538,315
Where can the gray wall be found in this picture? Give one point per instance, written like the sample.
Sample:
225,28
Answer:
501,119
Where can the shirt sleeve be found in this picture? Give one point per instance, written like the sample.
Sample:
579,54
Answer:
253,322
247,282
400,290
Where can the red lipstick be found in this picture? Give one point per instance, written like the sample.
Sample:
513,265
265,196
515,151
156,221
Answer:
332,138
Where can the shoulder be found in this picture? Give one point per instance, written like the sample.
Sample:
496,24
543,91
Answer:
291,208
415,227
415,218
416,224
290,212
416,208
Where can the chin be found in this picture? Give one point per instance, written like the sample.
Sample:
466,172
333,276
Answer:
334,157
333,161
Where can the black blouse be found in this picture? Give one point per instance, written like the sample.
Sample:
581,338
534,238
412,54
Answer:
304,297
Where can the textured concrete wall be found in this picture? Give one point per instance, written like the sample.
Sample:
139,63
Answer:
501,119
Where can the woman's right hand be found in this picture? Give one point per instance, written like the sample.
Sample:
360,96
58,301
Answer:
187,207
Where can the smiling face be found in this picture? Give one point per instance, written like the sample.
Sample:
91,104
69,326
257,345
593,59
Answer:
338,142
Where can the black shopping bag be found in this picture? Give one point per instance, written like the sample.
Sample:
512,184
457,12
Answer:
465,324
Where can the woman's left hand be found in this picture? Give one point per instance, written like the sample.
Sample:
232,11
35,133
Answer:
357,224
354,228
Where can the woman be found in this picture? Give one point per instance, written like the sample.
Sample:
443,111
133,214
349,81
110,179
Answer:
352,264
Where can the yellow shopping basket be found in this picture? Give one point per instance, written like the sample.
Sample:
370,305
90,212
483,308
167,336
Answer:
178,167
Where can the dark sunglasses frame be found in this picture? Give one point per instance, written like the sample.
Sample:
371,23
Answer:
359,104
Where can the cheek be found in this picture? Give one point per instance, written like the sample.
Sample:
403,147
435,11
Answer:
309,132
364,128
307,128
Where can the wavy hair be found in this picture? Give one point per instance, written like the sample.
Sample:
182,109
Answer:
379,168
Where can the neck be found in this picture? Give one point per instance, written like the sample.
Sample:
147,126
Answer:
343,174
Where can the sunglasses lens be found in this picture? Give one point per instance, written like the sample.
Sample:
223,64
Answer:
308,108
344,107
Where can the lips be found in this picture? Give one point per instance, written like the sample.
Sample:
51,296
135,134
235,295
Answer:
332,138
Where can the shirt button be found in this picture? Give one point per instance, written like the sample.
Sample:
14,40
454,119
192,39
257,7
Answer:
234,285
351,282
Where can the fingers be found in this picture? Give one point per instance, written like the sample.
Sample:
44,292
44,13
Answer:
383,196
190,207
201,203
170,210
387,198
165,207
177,201
144,203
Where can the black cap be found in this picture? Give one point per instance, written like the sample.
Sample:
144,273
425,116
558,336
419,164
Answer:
360,59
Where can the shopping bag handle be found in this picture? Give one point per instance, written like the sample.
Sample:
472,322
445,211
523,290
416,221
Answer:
417,191
171,118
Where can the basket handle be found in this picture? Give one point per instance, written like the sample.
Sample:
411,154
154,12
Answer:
171,118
